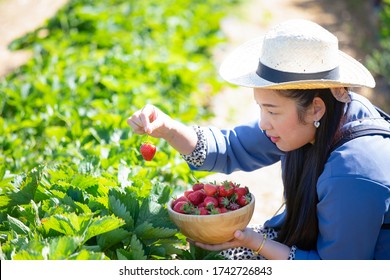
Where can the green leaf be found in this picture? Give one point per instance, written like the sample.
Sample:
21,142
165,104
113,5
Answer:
120,210
87,255
162,193
171,246
147,231
102,225
62,247
26,192
108,239
27,255
4,201
61,224
17,225
136,250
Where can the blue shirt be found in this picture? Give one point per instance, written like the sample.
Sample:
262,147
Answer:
353,190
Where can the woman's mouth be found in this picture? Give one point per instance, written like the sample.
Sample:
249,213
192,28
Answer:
274,139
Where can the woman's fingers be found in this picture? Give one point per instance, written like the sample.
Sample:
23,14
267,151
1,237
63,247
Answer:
216,247
147,116
242,238
136,124
149,120
141,120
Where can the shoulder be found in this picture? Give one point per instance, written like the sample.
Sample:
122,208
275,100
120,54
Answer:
364,157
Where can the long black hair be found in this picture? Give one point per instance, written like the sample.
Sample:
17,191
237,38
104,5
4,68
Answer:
303,166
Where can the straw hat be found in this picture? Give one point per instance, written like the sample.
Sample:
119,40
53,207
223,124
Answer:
296,54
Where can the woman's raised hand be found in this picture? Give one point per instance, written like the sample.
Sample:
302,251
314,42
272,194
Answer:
152,121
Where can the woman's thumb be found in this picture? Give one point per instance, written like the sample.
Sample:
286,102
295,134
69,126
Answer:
238,234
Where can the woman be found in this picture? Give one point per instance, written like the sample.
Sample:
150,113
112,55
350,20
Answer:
337,196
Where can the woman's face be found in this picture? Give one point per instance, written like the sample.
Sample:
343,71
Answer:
279,119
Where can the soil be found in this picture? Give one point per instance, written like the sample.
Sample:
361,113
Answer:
18,17
353,22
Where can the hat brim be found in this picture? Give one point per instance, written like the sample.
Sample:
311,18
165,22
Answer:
239,68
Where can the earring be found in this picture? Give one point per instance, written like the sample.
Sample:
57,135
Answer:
317,124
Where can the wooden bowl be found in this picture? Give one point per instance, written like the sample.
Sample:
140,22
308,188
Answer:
212,229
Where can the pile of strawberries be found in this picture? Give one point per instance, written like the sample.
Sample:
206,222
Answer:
212,198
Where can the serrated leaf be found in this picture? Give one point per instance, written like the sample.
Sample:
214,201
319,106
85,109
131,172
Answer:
83,207
17,225
135,252
108,239
102,225
4,201
147,231
128,201
6,185
147,210
26,255
122,254
162,193
120,210
136,249
60,248
84,181
87,255
60,223
170,245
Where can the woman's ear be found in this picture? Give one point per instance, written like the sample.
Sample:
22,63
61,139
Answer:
319,108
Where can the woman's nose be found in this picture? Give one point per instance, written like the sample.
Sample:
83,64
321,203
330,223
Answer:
264,124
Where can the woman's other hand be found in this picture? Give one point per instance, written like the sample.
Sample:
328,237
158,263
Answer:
246,238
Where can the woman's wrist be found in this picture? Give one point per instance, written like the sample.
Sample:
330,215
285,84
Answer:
262,244
181,137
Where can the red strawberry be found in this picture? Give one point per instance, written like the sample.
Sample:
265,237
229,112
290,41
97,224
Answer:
182,207
225,189
243,200
241,191
188,192
222,210
223,201
196,197
210,202
203,211
234,185
197,186
148,150
181,198
210,189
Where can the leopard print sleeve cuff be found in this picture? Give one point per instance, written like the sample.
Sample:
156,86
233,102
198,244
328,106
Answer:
198,156
291,256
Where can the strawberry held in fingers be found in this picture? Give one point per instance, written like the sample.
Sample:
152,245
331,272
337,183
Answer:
148,150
